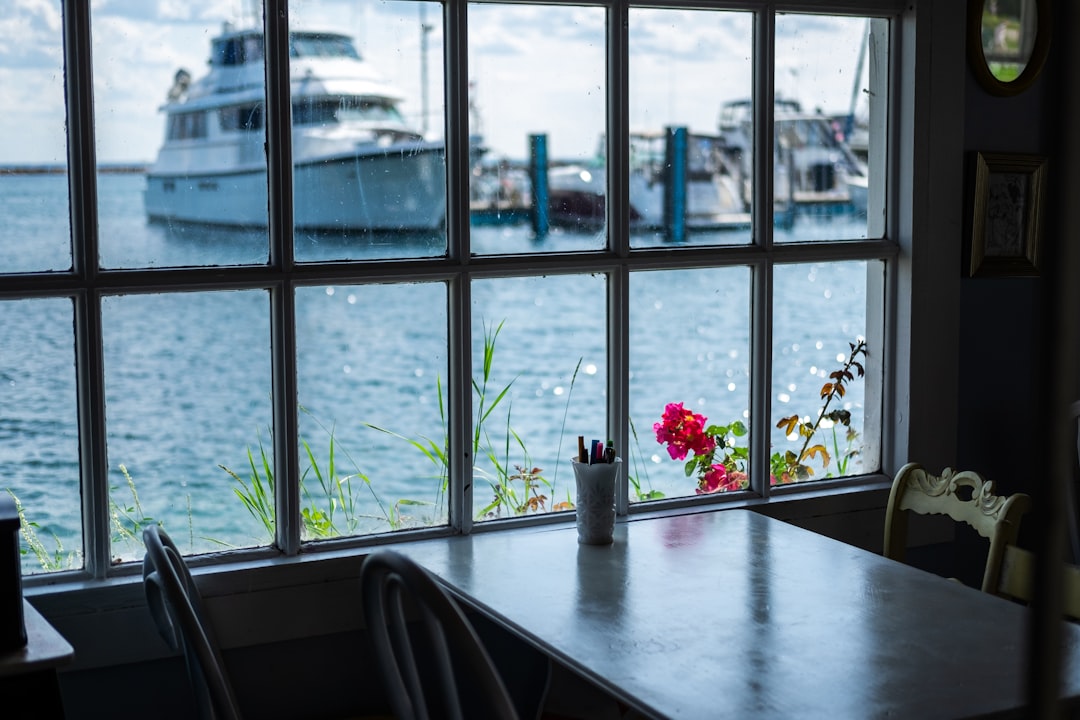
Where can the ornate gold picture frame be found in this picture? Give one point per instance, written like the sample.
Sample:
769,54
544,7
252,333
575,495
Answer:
1007,224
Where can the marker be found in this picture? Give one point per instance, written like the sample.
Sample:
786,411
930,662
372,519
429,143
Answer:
581,456
609,452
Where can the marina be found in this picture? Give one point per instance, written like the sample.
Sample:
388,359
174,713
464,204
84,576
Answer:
359,166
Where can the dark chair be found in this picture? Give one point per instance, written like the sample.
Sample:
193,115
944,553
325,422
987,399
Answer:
420,633
178,612
1072,506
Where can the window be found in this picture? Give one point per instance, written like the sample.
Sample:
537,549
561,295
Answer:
396,300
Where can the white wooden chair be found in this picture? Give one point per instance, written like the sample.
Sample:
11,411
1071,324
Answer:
963,496
1017,574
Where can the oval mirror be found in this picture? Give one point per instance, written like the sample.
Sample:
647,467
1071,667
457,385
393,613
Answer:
1008,41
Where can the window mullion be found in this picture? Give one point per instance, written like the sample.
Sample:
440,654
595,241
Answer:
82,193
283,307
762,288
618,132
460,458
618,222
459,419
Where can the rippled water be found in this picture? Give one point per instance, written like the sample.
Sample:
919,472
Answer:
188,377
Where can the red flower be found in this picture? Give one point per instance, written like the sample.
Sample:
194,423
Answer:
683,431
718,479
714,480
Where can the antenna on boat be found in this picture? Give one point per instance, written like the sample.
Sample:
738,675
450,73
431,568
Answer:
859,70
424,30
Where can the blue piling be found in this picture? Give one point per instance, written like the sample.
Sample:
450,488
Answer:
538,175
675,185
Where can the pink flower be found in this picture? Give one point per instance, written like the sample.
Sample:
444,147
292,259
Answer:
714,480
718,479
683,431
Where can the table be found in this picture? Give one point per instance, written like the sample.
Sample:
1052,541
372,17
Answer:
734,614
28,682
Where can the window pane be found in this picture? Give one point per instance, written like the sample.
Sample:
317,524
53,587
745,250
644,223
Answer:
373,398
539,377
161,105
538,92
36,231
821,311
690,177
39,445
827,74
369,160
689,344
187,381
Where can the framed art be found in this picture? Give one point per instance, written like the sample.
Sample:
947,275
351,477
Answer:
1006,227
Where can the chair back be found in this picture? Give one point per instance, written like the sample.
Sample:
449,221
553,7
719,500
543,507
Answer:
1017,580
178,612
963,496
409,615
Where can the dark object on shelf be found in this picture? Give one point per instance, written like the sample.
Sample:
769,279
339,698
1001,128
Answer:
12,621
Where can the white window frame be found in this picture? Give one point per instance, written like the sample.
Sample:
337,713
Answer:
918,157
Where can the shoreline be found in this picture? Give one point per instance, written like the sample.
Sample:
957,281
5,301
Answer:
117,169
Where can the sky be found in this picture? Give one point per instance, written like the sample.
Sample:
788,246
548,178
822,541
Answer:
534,69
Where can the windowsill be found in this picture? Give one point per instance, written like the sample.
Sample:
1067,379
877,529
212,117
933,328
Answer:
271,598
788,503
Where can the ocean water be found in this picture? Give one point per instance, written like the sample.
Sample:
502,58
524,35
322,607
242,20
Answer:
188,377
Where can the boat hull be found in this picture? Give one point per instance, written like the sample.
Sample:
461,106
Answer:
387,191
576,198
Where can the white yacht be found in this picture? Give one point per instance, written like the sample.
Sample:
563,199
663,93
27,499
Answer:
357,165
813,164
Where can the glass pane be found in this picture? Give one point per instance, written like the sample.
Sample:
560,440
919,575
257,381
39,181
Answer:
373,396
830,99
187,393
178,184
369,160
538,101
540,381
820,314
39,444
36,233
691,177
689,346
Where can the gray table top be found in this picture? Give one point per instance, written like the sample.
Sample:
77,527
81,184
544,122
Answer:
734,614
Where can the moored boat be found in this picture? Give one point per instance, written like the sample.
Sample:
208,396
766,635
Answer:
712,201
813,165
357,164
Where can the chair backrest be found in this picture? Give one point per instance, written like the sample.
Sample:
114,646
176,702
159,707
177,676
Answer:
1018,572
395,589
178,612
963,496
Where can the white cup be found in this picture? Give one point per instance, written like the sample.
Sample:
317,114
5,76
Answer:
595,505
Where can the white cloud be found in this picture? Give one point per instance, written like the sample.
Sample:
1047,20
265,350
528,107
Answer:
536,68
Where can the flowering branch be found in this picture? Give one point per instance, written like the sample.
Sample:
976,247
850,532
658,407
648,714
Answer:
720,464
795,465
